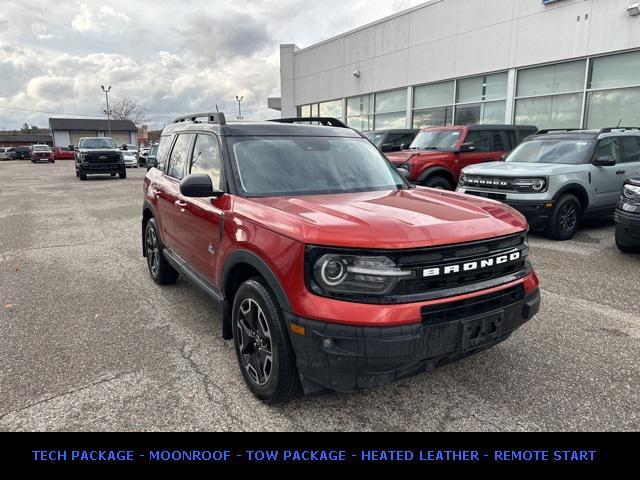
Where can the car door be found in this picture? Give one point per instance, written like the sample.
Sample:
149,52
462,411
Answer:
199,221
482,150
168,188
607,181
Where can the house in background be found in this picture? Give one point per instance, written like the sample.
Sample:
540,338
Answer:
69,131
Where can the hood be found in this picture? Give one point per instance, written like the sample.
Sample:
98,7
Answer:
403,219
403,157
517,169
98,150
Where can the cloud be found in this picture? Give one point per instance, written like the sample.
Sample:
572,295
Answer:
187,55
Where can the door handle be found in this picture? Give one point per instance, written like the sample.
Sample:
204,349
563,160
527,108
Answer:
621,172
180,204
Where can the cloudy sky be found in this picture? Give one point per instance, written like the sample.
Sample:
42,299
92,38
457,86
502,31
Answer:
171,56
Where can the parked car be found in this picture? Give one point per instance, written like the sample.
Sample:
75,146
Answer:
151,160
392,140
40,153
142,156
63,153
130,159
8,153
627,216
438,154
99,155
557,178
23,153
330,269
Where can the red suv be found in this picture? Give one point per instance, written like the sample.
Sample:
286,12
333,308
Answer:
40,153
438,154
330,269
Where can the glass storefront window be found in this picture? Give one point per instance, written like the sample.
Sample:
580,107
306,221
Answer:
559,78
490,113
558,111
486,87
305,111
609,108
362,123
394,101
331,109
433,117
387,121
615,71
435,95
359,105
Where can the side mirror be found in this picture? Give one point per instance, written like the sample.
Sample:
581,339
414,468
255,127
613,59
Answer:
124,146
198,186
402,147
72,148
467,147
405,173
604,161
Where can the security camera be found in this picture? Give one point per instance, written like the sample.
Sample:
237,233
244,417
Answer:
634,9
356,74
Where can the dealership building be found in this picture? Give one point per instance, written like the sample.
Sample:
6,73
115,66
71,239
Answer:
549,63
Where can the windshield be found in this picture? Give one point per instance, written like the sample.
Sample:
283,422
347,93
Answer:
280,166
94,143
375,137
436,140
41,148
561,151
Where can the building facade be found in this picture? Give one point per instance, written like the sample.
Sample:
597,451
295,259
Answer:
550,63
69,131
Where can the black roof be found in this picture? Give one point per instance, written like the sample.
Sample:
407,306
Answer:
394,130
29,137
263,129
91,124
502,127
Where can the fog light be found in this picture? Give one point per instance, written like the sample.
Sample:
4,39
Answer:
327,343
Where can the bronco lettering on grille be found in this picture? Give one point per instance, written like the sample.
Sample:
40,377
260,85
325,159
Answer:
472,266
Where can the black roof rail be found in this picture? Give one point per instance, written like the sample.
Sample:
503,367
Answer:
611,129
212,117
324,121
550,130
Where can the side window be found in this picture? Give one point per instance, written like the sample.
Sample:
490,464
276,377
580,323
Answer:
206,158
511,135
631,147
178,159
608,147
500,141
163,150
481,140
399,139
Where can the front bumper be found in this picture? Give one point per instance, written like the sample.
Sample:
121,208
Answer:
628,226
101,167
347,358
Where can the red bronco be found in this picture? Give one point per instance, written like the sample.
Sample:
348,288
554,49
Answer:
330,269
438,154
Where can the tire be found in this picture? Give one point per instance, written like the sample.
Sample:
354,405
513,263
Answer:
113,174
77,174
83,176
160,270
623,246
123,174
270,372
565,218
438,182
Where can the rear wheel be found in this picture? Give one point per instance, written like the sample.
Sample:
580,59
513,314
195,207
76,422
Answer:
565,218
438,182
263,348
160,270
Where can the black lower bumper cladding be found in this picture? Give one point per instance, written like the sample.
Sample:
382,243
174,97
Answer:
347,358
628,226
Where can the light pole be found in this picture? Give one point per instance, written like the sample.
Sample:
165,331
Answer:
239,100
106,93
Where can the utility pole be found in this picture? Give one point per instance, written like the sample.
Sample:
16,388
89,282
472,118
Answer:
239,100
106,93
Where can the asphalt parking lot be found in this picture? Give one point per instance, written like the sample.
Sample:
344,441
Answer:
89,342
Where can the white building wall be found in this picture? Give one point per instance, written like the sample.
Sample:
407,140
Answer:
61,138
445,39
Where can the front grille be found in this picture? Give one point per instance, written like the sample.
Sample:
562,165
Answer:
489,182
468,255
107,157
472,307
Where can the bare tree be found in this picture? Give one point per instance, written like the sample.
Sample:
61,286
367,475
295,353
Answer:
125,108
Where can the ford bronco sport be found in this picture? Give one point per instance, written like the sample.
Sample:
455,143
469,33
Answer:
331,270
99,155
438,154
556,178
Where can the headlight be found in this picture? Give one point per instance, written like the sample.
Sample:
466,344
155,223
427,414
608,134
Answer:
462,180
531,185
632,192
355,274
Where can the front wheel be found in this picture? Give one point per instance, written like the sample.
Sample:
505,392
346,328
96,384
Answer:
565,218
438,182
83,176
623,246
262,344
123,174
